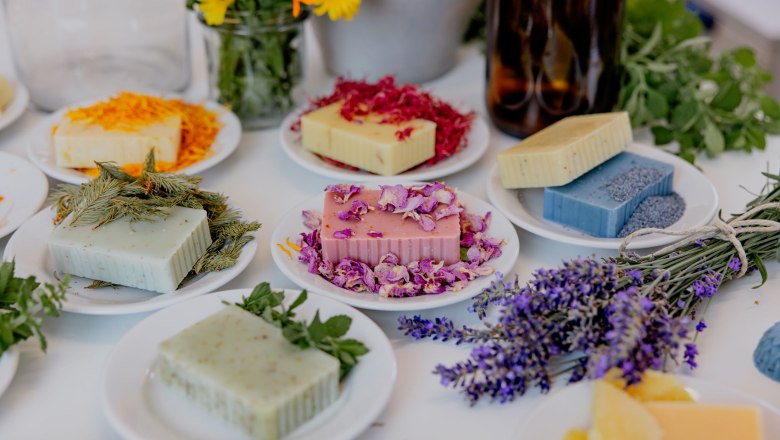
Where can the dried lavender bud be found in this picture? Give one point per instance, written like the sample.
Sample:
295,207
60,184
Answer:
627,185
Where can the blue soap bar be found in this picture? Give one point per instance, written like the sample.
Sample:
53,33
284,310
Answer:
600,202
767,354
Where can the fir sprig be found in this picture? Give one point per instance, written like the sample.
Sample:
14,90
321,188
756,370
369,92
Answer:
326,336
115,194
23,301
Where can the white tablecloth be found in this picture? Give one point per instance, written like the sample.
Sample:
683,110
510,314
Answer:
56,395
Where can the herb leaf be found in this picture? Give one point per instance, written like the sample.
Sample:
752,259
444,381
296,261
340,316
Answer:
325,336
22,302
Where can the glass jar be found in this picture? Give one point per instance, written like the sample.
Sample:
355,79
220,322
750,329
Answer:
255,64
69,51
548,59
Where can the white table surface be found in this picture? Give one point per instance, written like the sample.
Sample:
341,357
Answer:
56,394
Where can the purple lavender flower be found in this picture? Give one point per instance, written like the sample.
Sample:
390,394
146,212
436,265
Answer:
701,326
707,285
735,264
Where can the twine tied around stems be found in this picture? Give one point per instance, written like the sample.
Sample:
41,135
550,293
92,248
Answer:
718,229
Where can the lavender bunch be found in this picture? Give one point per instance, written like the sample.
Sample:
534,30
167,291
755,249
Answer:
581,319
578,321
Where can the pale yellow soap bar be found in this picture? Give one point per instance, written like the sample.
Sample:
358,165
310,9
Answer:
365,143
80,144
689,421
655,386
565,150
6,94
617,416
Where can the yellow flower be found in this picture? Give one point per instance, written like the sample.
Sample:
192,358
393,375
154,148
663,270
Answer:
337,9
214,10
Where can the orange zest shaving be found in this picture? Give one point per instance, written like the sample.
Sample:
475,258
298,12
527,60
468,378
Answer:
285,250
131,111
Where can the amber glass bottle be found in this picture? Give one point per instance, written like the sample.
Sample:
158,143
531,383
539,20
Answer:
548,59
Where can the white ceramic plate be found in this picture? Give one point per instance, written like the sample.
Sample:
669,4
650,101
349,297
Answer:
139,406
525,207
23,189
40,150
8,363
17,106
292,225
28,247
570,408
476,145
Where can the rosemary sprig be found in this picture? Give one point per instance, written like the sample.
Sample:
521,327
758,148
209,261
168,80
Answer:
115,194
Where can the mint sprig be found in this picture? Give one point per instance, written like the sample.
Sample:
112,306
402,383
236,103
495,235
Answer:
23,302
326,336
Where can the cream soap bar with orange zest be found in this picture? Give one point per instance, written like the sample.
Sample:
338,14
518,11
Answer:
564,151
79,144
365,143
153,256
242,368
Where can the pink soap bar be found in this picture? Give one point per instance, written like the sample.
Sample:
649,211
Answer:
402,237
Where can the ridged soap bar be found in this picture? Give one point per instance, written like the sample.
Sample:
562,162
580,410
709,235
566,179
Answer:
403,237
153,256
588,206
242,369
366,143
564,151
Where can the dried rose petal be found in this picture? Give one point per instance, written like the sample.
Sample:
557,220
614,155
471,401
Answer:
392,197
375,234
343,191
356,211
311,219
343,234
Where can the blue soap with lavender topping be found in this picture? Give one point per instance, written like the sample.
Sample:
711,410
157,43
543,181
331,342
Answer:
600,202
767,354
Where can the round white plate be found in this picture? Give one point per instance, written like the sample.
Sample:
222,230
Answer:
139,406
525,207
23,189
570,407
17,106
476,145
40,150
28,247
292,225
8,363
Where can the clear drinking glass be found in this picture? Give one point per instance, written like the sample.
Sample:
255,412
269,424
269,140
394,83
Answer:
255,64
68,51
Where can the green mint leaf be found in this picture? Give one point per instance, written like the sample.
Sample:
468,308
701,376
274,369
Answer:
769,106
662,135
353,346
728,97
317,330
685,115
713,140
299,300
337,326
744,56
656,103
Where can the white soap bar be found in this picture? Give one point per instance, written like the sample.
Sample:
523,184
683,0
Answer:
148,255
241,368
80,144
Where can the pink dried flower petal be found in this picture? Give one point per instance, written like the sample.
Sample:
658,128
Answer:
311,219
452,209
343,191
356,211
343,234
375,234
392,197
